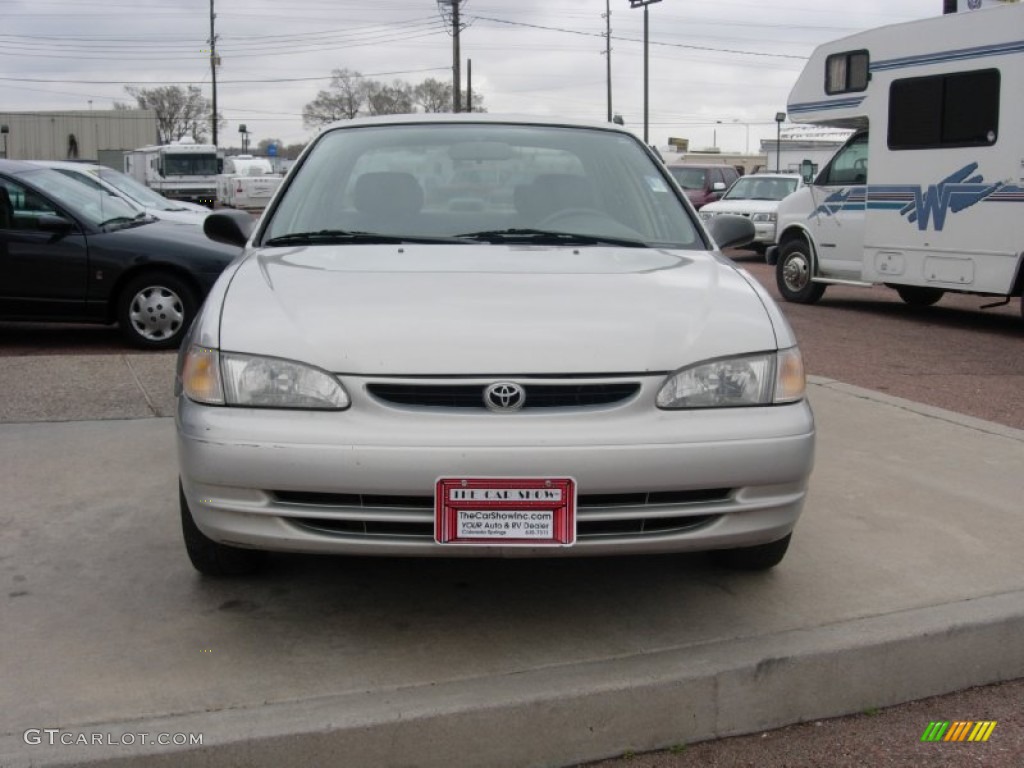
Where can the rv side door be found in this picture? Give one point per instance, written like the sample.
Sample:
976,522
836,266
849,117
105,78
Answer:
840,196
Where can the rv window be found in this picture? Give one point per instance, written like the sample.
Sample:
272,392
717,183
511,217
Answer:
849,166
846,72
956,110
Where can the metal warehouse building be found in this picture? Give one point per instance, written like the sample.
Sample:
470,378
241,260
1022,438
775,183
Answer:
102,134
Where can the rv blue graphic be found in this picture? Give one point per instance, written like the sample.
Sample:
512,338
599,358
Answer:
925,207
955,193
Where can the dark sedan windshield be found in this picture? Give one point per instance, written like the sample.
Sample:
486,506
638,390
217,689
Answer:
461,179
93,205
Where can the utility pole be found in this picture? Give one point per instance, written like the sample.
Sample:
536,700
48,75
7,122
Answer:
456,22
608,52
213,73
456,59
469,85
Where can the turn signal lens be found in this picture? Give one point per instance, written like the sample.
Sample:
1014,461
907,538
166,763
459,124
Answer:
791,382
200,376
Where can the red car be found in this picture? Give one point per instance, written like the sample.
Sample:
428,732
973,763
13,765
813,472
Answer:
704,183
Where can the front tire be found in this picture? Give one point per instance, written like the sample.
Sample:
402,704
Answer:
916,296
794,271
759,558
211,558
155,309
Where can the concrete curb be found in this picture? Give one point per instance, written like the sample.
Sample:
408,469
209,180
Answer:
566,714
930,411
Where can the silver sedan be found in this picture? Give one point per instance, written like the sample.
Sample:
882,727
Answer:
552,360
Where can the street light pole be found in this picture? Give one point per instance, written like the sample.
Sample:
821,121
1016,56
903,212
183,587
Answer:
4,130
643,4
779,119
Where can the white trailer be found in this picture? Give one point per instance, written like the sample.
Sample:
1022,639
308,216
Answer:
939,120
183,170
247,182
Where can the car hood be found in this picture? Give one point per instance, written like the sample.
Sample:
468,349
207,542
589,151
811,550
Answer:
741,206
494,310
156,240
195,218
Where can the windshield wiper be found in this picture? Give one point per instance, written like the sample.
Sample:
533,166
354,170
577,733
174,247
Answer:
124,221
549,237
326,236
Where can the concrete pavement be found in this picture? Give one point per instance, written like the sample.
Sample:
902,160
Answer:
904,580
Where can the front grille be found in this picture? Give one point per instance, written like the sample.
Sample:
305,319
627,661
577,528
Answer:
585,529
472,395
598,515
583,501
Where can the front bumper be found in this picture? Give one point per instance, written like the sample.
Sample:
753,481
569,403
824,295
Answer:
360,481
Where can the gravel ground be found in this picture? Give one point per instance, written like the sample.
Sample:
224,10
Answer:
889,738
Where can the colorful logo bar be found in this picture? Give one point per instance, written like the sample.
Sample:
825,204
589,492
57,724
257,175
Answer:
958,730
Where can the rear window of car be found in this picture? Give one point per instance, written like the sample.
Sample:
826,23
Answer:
689,178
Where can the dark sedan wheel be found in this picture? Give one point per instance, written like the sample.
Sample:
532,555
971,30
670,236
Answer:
213,559
917,296
759,558
793,274
155,309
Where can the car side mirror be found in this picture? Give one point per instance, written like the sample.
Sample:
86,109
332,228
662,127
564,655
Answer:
58,225
731,231
230,227
718,186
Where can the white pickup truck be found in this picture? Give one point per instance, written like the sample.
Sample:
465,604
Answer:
247,182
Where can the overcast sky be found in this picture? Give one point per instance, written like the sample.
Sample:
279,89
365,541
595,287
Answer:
719,69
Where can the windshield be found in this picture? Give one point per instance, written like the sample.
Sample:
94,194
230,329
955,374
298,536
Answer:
448,180
95,206
754,188
191,164
688,178
138,192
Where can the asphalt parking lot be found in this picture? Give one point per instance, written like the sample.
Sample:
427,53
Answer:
904,581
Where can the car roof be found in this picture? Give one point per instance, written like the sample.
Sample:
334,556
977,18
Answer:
67,164
703,166
796,176
439,118
17,166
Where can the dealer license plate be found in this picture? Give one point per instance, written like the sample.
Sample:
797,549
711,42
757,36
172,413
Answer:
504,511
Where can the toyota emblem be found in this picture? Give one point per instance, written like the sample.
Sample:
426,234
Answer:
504,397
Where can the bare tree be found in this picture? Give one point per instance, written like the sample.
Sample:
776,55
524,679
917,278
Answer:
343,99
432,95
394,99
179,111
264,145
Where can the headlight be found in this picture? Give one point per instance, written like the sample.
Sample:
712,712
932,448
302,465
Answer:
228,378
705,215
763,217
736,382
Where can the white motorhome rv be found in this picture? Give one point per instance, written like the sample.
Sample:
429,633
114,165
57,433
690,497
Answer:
928,195
183,170
247,182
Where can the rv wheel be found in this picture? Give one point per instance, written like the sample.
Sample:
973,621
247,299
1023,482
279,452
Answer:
794,271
